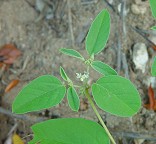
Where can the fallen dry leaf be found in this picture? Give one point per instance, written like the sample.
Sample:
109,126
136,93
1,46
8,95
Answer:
16,139
151,97
9,53
154,47
11,85
147,106
3,65
152,100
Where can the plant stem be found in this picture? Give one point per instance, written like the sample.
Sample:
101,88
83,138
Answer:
98,116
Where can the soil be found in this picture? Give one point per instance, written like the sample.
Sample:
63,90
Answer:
39,38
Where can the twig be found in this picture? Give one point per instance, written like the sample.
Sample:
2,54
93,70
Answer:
2,70
125,65
22,117
70,23
124,44
119,47
110,5
123,16
146,32
12,129
124,141
144,35
136,29
82,34
118,53
55,7
25,62
89,2
31,5
62,11
49,2
134,135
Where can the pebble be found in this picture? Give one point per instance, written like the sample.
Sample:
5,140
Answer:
125,10
153,82
111,1
140,56
138,9
150,80
141,2
41,5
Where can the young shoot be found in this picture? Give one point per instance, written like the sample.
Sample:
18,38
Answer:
111,93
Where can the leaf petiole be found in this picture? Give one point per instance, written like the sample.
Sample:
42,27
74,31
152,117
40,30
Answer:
76,86
98,115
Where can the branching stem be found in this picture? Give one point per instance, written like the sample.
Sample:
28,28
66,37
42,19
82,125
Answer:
98,115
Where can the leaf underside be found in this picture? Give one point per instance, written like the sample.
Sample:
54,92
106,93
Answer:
116,95
43,92
69,131
98,33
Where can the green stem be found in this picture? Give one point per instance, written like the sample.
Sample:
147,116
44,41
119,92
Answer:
76,86
98,115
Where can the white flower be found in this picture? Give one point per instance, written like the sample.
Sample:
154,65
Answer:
86,74
78,75
82,77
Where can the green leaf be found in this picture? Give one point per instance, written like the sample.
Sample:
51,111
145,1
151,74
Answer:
98,33
72,53
69,131
116,95
153,28
153,7
63,74
43,92
153,71
103,68
73,99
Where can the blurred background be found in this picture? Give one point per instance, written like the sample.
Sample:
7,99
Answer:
31,33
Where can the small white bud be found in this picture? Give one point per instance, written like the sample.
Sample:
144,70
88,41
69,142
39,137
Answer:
78,75
82,77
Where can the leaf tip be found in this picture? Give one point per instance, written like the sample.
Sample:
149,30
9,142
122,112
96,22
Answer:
61,50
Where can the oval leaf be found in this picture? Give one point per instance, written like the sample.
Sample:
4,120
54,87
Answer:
98,33
153,7
72,53
116,95
43,92
153,71
103,68
73,99
69,131
63,74
153,28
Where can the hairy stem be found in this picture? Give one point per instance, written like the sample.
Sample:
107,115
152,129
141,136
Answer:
98,116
